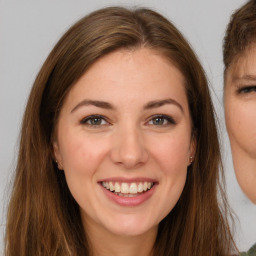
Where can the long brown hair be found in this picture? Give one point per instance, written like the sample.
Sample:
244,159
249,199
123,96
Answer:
43,217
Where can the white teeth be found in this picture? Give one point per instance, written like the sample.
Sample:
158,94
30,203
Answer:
111,186
127,189
124,188
133,188
117,187
140,187
145,186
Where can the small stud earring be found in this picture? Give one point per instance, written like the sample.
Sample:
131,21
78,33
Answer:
190,159
55,160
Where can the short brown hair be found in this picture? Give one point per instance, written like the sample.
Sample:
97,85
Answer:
240,33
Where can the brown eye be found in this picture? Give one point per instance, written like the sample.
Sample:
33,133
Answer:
160,120
94,120
247,89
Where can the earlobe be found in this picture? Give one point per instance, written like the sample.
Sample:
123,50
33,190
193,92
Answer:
192,150
56,155
191,160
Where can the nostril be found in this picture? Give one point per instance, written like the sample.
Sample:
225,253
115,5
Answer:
129,159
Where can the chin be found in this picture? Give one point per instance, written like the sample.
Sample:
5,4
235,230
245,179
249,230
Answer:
248,191
253,198
131,227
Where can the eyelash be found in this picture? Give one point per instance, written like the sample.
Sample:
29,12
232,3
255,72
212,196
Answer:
86,120
247,89
170,120
167,120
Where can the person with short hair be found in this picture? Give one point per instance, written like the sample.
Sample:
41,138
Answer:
239,55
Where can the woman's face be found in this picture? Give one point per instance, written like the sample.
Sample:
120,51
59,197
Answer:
124,141
240,112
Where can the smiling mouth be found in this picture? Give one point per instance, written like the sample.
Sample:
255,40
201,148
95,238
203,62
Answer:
125,189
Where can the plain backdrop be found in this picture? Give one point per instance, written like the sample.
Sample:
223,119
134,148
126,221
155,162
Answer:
28,31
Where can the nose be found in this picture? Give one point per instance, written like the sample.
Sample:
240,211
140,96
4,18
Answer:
128,149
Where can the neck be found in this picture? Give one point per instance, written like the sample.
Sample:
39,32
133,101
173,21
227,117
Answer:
104,243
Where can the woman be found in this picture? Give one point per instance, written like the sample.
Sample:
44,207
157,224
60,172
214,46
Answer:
239,53
119,152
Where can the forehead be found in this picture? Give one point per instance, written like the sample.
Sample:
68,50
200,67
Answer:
243,65
131,69
131,78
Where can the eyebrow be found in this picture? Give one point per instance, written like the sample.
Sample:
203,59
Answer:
96,103
246,77
106,105
160,103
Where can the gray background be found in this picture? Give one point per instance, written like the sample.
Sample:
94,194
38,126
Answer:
28,31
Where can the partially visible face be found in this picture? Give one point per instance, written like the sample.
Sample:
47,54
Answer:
240,112
124,141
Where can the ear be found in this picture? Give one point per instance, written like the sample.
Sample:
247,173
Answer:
57,155
192,149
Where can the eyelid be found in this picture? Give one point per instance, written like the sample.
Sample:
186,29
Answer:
170,119
84,120
246,89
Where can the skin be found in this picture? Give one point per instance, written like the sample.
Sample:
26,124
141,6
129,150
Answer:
240,112
128,142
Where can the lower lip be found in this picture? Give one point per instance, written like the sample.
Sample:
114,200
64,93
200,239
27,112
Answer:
129,201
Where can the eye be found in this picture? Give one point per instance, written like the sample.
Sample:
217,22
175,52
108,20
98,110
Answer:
247,89
161,120
94,120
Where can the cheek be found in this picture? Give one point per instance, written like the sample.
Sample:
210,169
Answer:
82,154
241,125
172,154
172,158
